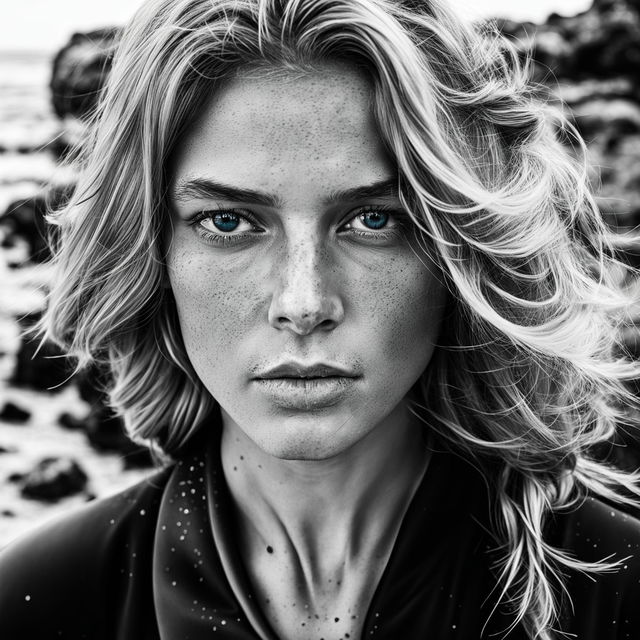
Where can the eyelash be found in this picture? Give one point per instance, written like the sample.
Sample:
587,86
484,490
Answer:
222,238
228,239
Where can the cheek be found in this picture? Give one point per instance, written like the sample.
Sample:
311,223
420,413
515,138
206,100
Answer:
214,306
403,304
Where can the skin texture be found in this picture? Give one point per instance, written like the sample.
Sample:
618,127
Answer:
322,478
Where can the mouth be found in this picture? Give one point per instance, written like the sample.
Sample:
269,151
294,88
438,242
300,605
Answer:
295,371
294,386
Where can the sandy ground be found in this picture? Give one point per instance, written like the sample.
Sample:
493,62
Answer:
42,437
21,291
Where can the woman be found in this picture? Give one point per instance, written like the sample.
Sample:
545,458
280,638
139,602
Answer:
346,277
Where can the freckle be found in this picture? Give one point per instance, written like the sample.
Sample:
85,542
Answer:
269,549
336,619
235,468
241,457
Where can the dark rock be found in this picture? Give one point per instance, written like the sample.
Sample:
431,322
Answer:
8,242
42,368
70,422
26,219
105,431
138,458
16,477
7,449
8,513
54,478
14,414
92,383
103,428
631,340
602,42
79,71
607,118
613,46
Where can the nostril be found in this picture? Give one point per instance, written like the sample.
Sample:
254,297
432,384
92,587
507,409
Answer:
302,315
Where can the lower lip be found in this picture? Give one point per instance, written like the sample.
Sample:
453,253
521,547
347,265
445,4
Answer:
305,394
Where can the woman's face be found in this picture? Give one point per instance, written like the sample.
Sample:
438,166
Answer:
304,307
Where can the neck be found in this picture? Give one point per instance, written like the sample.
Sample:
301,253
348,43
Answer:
326,517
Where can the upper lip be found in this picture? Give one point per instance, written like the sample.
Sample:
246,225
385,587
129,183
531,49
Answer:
298,370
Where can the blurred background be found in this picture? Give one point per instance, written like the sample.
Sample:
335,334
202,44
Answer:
59,445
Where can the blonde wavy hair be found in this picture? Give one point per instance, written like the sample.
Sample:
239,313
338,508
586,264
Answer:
526,379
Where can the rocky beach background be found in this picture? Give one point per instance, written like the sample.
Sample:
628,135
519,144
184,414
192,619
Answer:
59,445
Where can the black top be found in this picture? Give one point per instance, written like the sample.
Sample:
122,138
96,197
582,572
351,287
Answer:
159,562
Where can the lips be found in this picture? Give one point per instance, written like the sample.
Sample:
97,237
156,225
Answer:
302,371
306,387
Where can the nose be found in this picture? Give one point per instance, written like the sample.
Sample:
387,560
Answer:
305,298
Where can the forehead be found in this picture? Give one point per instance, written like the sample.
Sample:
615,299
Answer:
277,120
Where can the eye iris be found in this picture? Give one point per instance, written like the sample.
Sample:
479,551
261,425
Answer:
375,219
226,221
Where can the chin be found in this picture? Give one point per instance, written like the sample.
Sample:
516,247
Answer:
305,442
301,450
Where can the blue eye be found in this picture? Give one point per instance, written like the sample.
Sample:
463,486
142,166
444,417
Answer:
226,221
374,219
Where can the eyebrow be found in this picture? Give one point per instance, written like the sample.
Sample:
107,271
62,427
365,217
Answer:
210,189
380,189
204,188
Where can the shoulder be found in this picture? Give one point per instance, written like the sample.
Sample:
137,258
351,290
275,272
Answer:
73,563
594,529
607,602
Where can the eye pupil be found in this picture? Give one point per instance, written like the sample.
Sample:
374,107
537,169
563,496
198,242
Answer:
226,221
375,219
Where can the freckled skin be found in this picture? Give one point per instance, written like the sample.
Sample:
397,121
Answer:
302,289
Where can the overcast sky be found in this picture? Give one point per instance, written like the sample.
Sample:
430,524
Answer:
45,25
